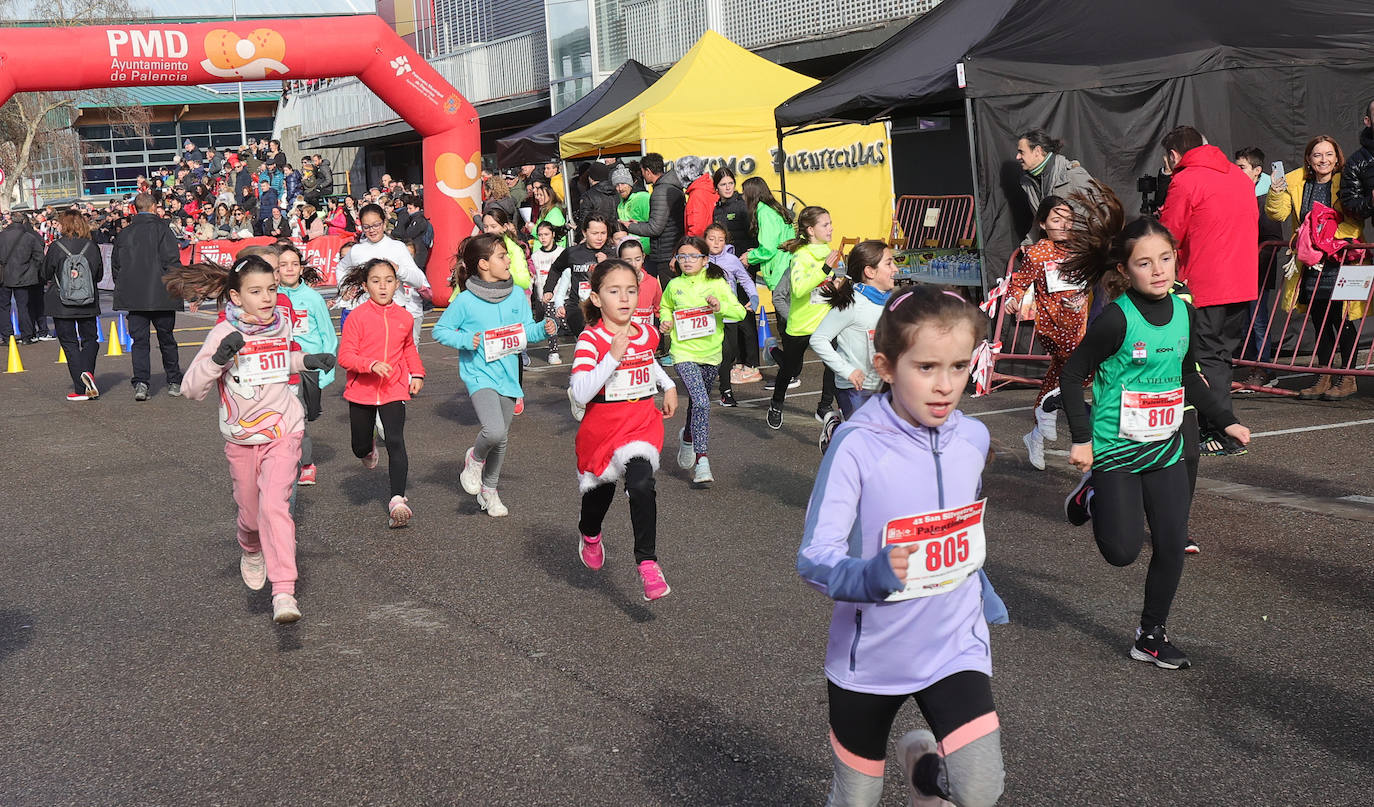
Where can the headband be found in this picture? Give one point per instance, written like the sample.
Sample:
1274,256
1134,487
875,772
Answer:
902,298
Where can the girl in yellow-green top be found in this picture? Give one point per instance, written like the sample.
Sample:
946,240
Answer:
812,261
496,222
692,309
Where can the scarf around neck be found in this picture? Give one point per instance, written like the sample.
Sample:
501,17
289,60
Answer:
874,296
490,292
234,316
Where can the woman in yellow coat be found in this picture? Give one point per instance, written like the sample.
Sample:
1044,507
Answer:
1290,199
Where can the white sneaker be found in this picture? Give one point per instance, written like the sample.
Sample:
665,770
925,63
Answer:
1035,447
554,358
285,609
488,500
686,452
253,569
471,477
1048,421
910,748
702,476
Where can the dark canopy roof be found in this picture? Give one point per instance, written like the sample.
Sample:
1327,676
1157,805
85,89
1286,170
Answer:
1027,46
539,143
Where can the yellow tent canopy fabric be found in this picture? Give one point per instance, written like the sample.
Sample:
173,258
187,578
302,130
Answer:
717,103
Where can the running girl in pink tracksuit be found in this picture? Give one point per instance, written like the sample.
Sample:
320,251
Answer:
902,563
248,358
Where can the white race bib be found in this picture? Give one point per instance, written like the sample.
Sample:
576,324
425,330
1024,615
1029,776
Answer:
300,323
690,323
500,342
1055,283
584,289
1148,417
645,318
946,547
263,361
633,379
817,297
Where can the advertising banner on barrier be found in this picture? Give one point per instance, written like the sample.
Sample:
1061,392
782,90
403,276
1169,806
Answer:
321,253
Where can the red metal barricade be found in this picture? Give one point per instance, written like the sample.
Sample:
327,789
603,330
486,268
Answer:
934,222
1295,336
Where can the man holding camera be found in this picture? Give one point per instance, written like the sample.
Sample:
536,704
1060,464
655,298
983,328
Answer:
1210,209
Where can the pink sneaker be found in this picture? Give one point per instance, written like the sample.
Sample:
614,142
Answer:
519,406
398,512
592,553
370,461
655,586
307,475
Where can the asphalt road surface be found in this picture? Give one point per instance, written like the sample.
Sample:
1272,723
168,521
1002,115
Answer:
468,660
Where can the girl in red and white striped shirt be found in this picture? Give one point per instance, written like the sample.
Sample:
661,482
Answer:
615,377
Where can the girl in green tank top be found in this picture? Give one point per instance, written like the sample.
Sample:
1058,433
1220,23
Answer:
1139,354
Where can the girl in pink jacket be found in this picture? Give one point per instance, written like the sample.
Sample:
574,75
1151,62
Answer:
248,359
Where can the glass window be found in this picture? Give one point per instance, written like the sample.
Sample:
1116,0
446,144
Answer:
570,42
610,35
130,159
192,128
162,129
94,132
98,174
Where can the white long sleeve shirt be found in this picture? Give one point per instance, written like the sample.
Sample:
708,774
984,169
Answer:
412,279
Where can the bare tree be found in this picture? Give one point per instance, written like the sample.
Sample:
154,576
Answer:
34,122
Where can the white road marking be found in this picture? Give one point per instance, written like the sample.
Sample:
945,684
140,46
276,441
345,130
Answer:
1322,427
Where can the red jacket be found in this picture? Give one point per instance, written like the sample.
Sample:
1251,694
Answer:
701,205
1210,209
375,333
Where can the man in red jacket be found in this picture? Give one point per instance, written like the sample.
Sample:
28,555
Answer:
1210,209
701,195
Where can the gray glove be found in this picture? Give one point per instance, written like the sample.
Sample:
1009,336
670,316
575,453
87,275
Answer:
228,348
320,361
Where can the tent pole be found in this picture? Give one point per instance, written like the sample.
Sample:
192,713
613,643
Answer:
567,194
782,169
977,195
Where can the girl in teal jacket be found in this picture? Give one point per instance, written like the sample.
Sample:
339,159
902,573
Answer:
693,308
490,324
312,329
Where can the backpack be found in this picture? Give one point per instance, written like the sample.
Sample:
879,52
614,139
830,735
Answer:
74,281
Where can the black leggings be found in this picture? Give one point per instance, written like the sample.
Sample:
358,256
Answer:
793,355
1163,495
862,721
362,422
78,339
639,486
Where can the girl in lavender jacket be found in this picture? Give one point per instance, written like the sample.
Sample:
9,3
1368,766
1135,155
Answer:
908,627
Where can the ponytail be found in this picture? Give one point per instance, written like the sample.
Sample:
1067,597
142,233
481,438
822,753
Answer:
810,215
1104,241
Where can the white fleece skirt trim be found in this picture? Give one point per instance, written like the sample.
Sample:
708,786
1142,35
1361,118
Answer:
615,471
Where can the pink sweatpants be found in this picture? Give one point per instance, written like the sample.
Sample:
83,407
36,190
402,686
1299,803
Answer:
263,477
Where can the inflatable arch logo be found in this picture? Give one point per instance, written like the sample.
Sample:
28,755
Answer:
251,58
163,54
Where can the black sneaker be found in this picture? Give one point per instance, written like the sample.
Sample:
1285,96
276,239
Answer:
1190,547
1231,447
1211,445
1156,648
1076,507
822,412
774,418
1052,402
793,384
727,398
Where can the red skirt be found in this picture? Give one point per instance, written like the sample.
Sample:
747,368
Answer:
611,435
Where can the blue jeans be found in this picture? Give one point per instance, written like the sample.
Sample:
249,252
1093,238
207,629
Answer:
1258,345
851,399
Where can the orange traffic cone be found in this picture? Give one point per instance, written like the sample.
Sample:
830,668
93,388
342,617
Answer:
15,365
61,355
113,346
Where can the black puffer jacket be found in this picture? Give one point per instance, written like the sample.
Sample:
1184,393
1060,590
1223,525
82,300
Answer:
21,255
1357,180
599,198
143,251
667,212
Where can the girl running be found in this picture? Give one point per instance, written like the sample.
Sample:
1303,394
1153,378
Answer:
568,283
739,335
313,330
1039,291
542,259
496,222
844,339
812,261
615,377
900,560
384,370
248,359
693,307
489,324
1139,352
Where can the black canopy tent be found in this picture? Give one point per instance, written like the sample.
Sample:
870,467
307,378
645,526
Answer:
1110,77
539,143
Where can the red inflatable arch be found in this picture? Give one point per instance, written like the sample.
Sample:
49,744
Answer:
67,59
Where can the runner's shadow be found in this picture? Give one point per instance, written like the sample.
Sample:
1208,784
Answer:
457,408
789,487
1032,606
16,631
555,553
695,746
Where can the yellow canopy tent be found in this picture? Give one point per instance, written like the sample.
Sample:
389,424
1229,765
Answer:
717,103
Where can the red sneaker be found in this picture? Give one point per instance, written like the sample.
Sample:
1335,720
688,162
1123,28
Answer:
307,476
519,406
